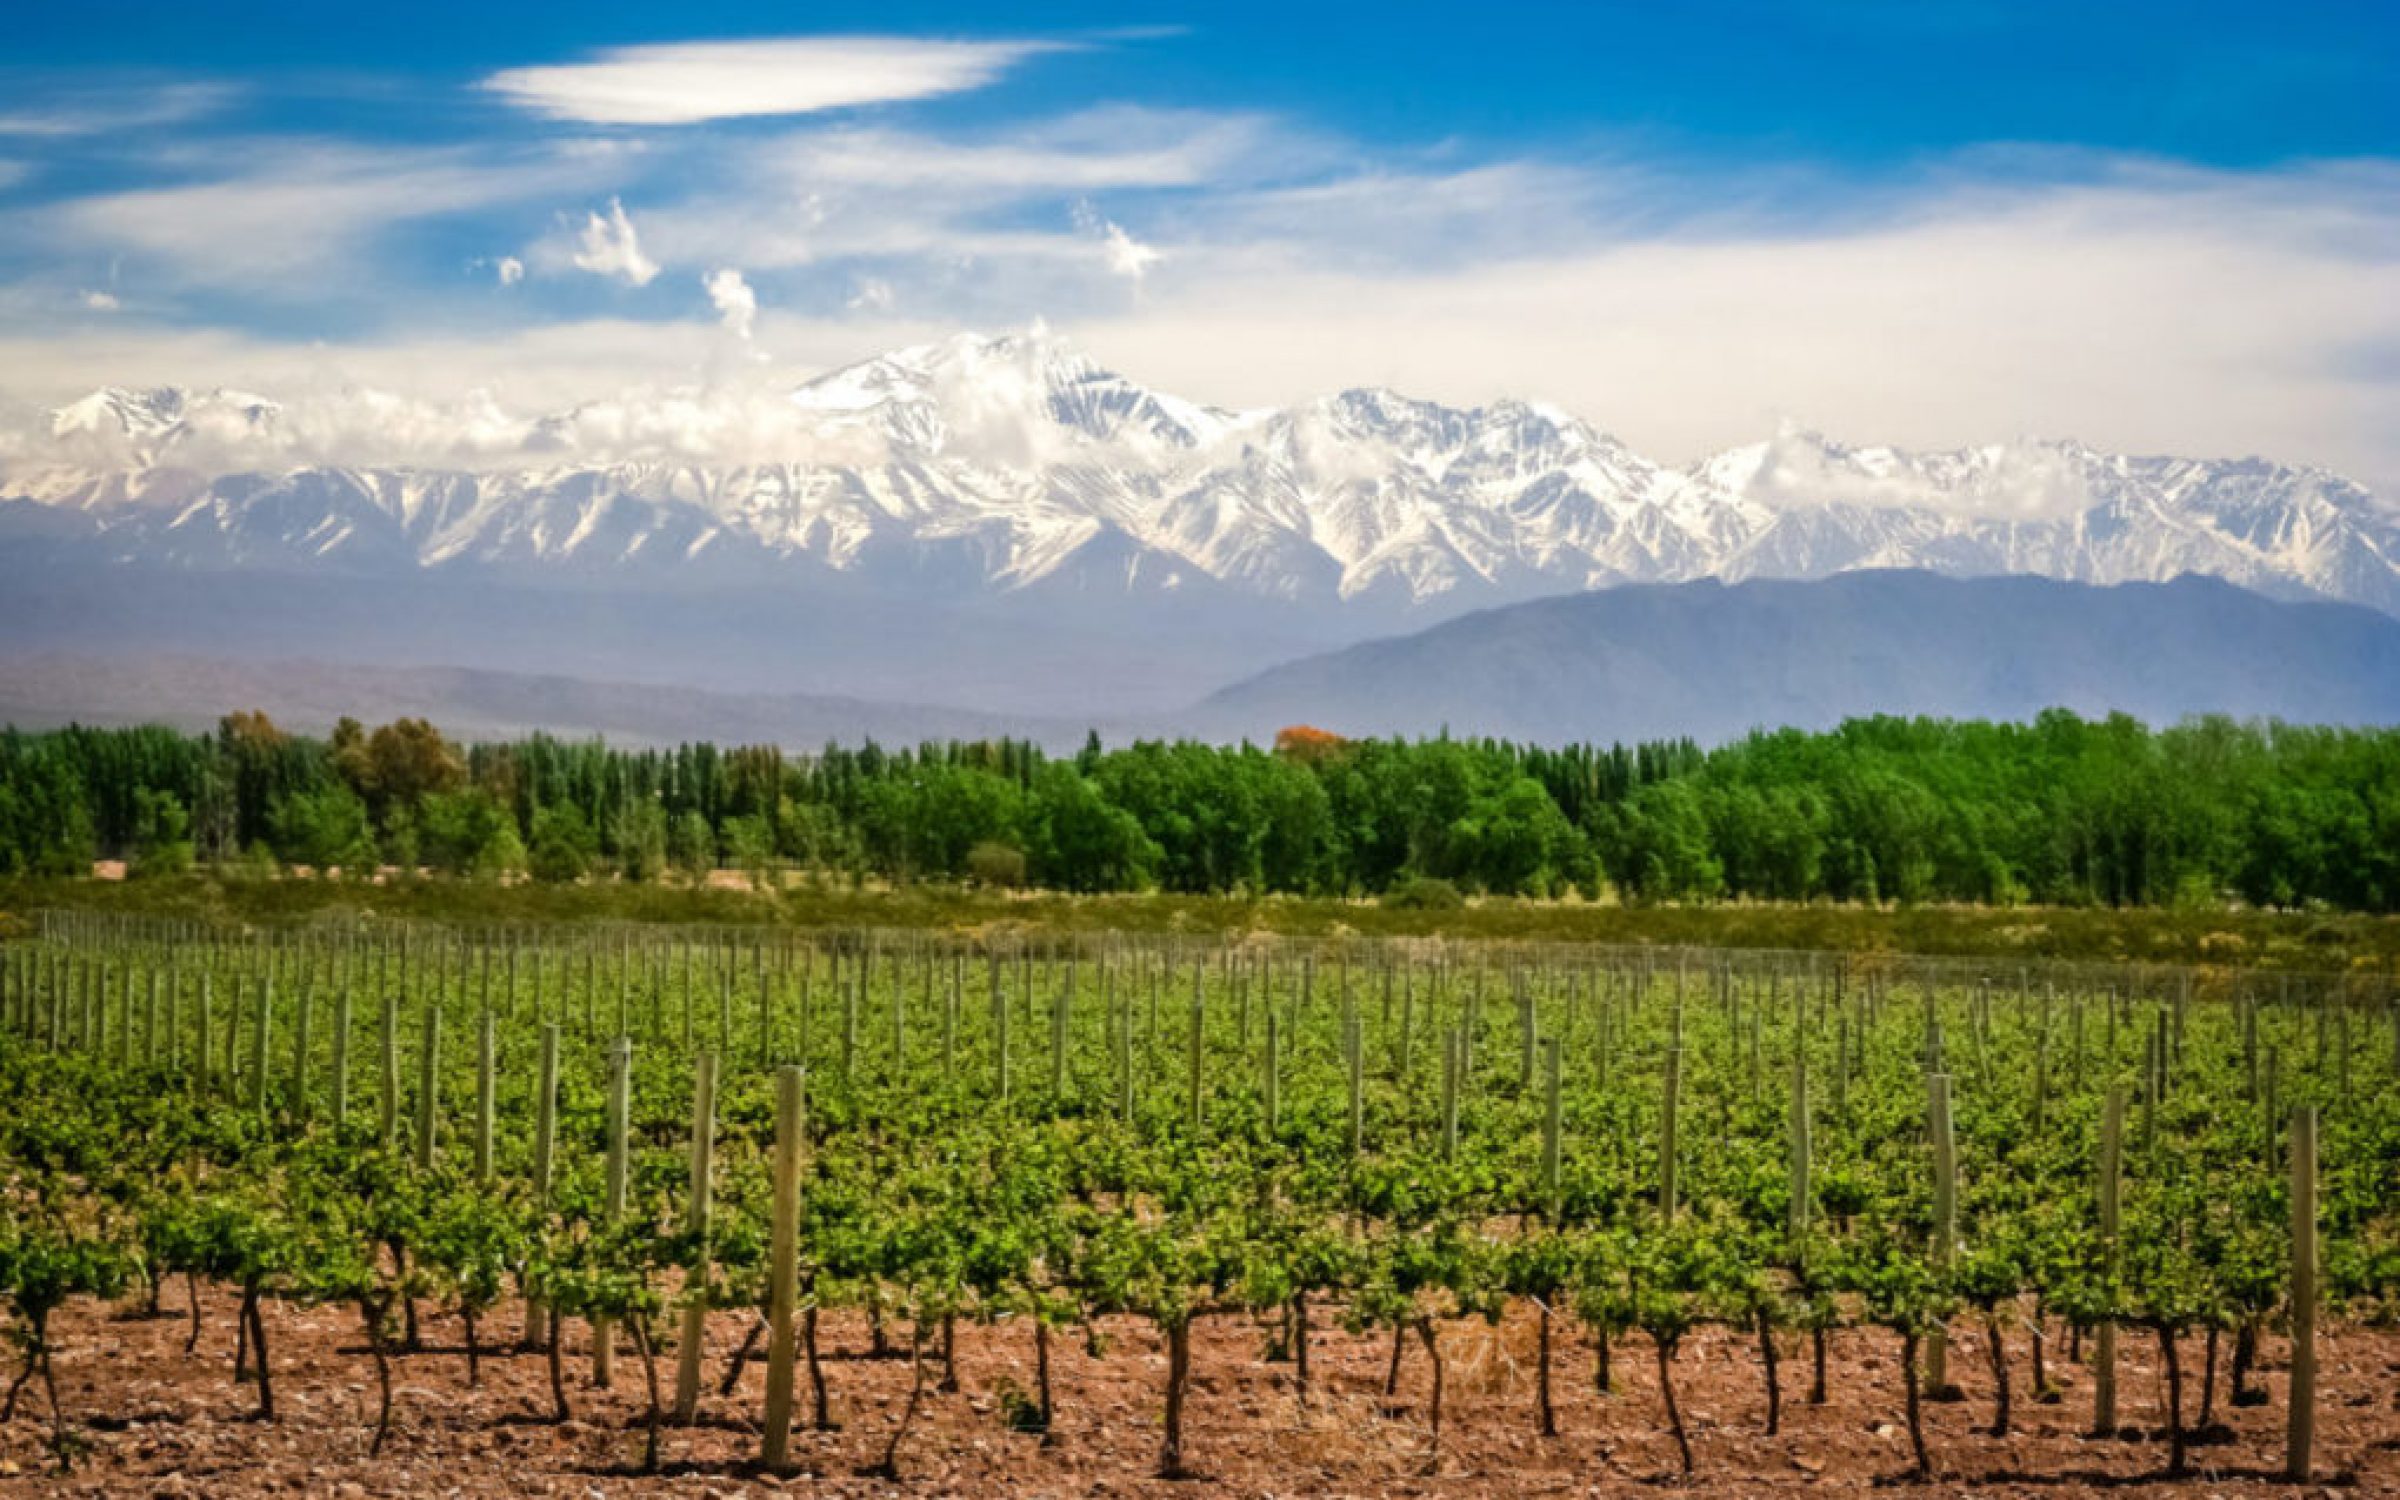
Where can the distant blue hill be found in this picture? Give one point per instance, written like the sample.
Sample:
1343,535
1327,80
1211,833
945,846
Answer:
1714,661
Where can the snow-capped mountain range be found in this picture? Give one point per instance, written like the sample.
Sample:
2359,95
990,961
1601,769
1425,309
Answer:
1014,465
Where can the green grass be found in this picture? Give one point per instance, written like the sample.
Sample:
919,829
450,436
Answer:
2282,940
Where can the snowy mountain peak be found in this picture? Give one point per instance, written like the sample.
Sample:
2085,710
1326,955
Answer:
1028,394
140,428
1016,462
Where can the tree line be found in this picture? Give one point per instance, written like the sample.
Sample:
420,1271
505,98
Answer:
2061,810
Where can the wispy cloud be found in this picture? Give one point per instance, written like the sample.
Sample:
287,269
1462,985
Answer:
2139,307
297,208
129,105
996,200
1089,151
1241,259
688,82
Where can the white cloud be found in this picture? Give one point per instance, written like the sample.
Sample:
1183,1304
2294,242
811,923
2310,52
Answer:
609,247
293,212
509,270
112,109
2135,305
1126,256
2143,310
735,302
822,196
1120,252
1118,147
97,301
687,82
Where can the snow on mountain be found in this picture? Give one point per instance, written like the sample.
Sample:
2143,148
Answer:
1015,464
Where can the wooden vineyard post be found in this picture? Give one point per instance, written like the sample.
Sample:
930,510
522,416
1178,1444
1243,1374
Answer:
2301,1428
1272,1082
389,1126
1453,1046
950,1026
766,1007
208,1006
620,1112
259,1032
899,1020
696,1223
1798,1221
1551,1123
1604,1028
1666,1133
1355,1043
783,1268
1124,1030
1945,1222
486,1084
1525,1038
2041,1075
1841,1064
2153,1085
341,1058
851,997
545,1148
1058,1044
301,1049
2249,1006
1199,1016
999,1040
2272,1095
2341,1055
2104,1354
429,1061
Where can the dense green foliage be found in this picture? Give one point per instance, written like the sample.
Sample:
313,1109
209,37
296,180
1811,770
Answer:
2062,811
1168,1130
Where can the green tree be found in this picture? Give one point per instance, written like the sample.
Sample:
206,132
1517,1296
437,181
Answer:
162,836
640,834
1076,841
325,829
564,847
691,847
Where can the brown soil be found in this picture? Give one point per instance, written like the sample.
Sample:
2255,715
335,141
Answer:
153,1421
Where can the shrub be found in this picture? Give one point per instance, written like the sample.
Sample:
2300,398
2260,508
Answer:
1423,893
996,864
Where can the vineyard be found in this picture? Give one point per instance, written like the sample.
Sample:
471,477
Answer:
1387,1214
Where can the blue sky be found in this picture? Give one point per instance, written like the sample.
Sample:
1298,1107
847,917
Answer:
2150,225
1862,81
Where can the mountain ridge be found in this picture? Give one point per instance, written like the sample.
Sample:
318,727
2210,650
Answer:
993,465
1714,660
1703,659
